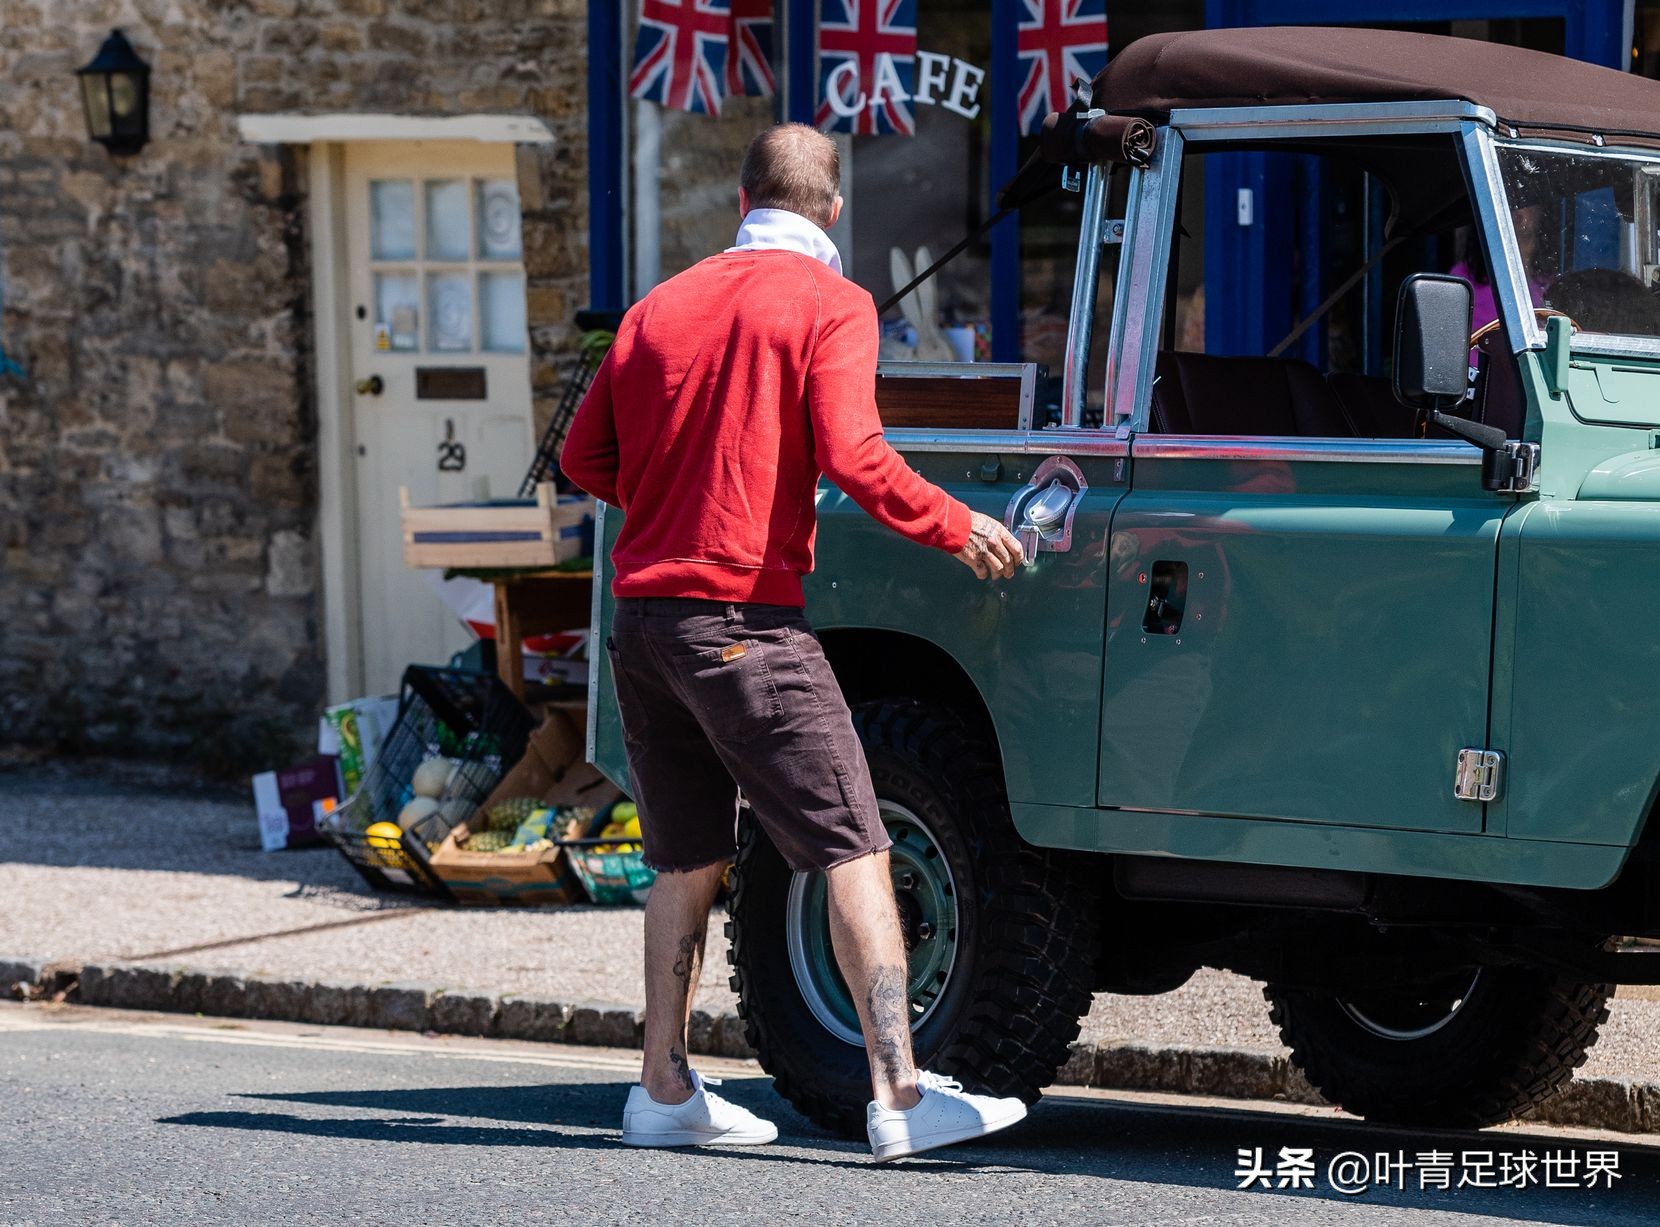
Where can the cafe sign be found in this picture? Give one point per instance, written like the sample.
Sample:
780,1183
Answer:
930,79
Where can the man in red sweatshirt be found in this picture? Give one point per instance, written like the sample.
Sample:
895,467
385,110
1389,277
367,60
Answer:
729,390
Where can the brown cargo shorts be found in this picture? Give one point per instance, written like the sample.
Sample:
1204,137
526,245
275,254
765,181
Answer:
717,698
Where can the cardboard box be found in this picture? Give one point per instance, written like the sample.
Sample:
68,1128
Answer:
553,771
286,801
353,733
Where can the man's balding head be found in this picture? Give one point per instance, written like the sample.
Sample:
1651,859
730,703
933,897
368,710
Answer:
794,167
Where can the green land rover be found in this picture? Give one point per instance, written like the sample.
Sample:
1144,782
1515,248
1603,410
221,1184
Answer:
1337,664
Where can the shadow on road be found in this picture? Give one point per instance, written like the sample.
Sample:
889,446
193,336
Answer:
558,1115
1195,1147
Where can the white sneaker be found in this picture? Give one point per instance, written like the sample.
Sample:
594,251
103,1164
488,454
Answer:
701,1120
946,1114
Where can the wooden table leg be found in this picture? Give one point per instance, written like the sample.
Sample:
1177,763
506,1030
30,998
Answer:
510,661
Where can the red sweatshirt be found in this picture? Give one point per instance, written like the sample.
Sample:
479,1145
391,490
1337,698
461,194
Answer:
729,389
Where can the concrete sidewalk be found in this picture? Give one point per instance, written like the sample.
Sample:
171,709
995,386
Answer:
138,893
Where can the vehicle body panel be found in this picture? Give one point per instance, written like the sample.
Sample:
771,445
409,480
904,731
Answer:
1612,392
1584,715
1429,854
1031,645
605,743
1333,658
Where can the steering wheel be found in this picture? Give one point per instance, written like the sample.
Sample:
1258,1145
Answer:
1543,314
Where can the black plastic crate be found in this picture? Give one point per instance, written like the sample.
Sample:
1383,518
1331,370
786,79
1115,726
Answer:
467,717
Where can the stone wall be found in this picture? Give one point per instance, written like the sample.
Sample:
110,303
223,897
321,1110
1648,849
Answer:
158,452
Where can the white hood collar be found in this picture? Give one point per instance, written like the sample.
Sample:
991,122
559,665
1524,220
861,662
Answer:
781,230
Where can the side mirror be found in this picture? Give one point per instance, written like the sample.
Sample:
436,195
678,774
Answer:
1432,341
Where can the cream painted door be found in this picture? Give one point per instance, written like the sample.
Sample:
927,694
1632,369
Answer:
439,370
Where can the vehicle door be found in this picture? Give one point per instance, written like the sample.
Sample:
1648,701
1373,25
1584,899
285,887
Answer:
1300,596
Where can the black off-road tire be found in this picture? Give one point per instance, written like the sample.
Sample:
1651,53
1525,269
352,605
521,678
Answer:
1027,924
1513,1044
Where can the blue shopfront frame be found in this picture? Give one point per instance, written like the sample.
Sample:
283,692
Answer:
1240,280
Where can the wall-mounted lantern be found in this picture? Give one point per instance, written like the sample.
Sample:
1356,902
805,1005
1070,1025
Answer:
115,89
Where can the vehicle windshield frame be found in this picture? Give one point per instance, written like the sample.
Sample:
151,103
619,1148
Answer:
1587,341
1150,218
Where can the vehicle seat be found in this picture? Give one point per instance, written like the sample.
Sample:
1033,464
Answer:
1200,394
1369,401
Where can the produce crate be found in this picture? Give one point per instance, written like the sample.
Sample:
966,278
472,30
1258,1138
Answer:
543,531
552,773
467,717
611,870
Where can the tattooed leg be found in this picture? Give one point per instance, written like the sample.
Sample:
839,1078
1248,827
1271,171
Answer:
888,1008
682,1070
864,927
677,920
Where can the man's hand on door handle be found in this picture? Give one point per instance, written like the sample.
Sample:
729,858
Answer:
992,551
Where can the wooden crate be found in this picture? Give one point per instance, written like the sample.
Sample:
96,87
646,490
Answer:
539,532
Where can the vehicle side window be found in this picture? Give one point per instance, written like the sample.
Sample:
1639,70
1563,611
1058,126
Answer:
1279,307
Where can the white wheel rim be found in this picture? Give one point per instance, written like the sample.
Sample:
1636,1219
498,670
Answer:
1409,1033
797,919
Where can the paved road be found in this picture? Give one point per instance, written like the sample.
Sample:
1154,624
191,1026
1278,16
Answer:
145,1119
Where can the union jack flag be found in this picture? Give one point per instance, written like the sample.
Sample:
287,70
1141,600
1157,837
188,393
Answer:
1060,41
749,57
680,54
867,47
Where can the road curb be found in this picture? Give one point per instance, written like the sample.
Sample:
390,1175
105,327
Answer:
1616,1104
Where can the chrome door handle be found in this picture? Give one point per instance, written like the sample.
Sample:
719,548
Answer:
1040,513
1028,537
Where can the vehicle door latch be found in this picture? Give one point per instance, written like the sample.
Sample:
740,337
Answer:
1040,513
1479,775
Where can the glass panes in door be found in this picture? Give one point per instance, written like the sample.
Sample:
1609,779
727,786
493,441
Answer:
397,312
446,256
450,308
498,219
447,221
501,305
392,219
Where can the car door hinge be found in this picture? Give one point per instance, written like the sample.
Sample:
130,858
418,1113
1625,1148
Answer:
1512,470
1479,775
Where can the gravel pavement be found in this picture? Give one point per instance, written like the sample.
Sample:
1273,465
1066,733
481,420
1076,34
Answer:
109,862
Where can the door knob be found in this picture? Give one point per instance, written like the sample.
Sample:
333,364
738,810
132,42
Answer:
372,386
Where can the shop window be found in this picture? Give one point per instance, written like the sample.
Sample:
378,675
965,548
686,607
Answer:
907,199
1645,40
685,183
914,197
